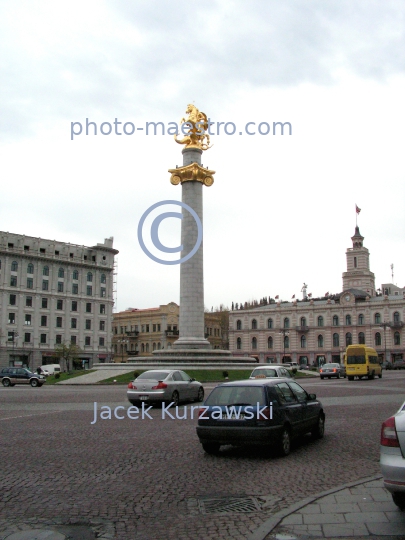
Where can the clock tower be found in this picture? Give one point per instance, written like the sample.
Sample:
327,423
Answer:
358,275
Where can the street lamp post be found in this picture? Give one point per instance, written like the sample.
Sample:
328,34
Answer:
284,333
385,325
15,337
123,341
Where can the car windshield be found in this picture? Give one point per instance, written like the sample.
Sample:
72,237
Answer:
154,375
264,373
236,395
358,359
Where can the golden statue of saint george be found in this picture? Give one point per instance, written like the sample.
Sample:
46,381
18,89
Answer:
197,125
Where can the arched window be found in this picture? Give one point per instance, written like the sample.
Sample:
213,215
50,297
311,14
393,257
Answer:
355,262
45,271
89,276
147,347
286,342
75,274
348,320
320,320
61,272
30,269
254,324
142,348
269,342
159,345
269,323
320,340
396,316
239,343
377,318
377,339
361,319
348,339
238,324
397,338
362,338
103,278
336,340
154,347
335,320
254,343
286,322
14,266
303,321
303,342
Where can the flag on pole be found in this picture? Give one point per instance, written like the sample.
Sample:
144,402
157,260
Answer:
358,210
293,296
327,294
276,298
309,295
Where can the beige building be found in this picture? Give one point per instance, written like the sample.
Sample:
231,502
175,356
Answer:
139,332
315,331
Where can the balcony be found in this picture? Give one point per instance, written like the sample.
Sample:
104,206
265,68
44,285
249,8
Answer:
171,333
132,334
303,329
396,324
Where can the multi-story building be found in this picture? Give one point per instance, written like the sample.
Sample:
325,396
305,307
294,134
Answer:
142,331
315,331
53,293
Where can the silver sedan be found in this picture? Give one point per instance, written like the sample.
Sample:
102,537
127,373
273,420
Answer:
161,385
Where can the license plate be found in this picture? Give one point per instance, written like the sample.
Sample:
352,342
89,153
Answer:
143,398
233,417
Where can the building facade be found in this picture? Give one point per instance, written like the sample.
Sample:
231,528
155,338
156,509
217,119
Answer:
139,332
53,293
315,331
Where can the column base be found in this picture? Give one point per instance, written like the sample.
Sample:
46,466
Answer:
185,343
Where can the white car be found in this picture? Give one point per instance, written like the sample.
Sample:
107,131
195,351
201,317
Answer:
270,371
392,452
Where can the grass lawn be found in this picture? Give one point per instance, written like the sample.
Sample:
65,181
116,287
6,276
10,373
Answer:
65,376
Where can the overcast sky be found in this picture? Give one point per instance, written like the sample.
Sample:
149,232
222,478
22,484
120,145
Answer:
282,209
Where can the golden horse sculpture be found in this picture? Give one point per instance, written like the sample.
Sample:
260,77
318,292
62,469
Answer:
196,136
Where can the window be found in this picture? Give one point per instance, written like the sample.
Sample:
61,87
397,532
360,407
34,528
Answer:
75,288
397,338
254,343
102,309
28,319
30,283
269,323
75,275
61,273
58,339
27,337
89,276
320,341
88,307
13,281
153,328
362,338
286,322
348,320
355,262
11,318
320,320
102,326
60,286
335,320
303,321
101,342
12,300
73,340
286,342
348,339
45,285
102,292
239,343
74,305
14,266
146,347
58,322
30,269
88,324
254,324
238,325
103,278
43,338
89,290
45,271
147,328
87,340
336,340
73,323
44,303
377,318
377,339
396,317
44,320
59,304
28,301
360,319
269,342
154,347
11,336
303,342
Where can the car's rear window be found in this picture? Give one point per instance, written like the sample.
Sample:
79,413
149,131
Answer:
236,395
331,365
357,359
264,373
154,375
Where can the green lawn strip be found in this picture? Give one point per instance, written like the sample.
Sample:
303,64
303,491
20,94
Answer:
65,376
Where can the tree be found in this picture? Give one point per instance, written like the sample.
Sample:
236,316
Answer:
69,352
223,321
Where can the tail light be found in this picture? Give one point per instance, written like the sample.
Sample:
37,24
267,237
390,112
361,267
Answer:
160,386
201,411
131,386
335,370
389,435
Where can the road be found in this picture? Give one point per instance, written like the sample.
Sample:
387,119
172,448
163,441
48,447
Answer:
150,478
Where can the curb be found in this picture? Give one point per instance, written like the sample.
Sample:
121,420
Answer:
268,526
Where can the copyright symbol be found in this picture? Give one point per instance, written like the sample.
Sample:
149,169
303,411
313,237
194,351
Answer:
154,232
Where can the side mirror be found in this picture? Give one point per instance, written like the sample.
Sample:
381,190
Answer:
311,397
192,380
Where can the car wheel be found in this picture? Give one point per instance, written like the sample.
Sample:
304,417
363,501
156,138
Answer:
34,383
211,448
371,376
200,395
6,382
380,375
322,377
319,430
351,378
175,398
284,444
338,376
399,499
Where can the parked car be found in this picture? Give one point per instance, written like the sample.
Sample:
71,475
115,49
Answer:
259,412
12,375
51,369
392,452
332,370
164,385
386,365
398,364
266,372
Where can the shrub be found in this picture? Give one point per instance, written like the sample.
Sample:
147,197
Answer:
136,374
225,374
57,375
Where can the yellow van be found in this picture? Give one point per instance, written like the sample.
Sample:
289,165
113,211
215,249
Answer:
362,361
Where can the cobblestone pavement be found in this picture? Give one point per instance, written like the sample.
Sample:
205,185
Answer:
150,480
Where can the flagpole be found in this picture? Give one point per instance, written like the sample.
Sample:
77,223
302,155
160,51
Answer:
355,209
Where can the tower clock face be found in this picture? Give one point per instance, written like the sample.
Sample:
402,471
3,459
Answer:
347,297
